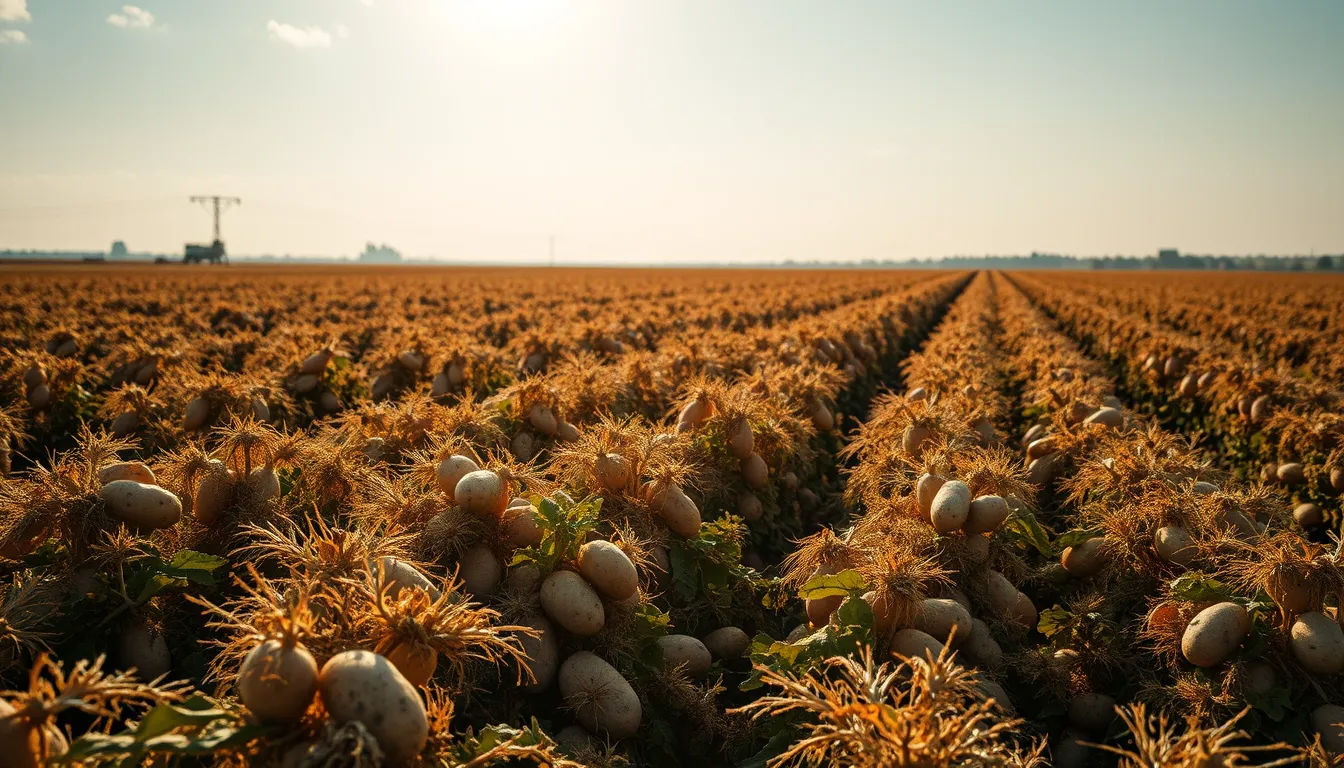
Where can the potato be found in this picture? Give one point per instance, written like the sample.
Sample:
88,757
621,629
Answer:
316,362
678,511
1024,611
749,507
1291,473
414,660
1328,721
480,571
685,651
260,410
755,472
913,439
214,493
144,649
915,644
277,683
951,506
542,418
602,700
451,471
566,432
1204,488
127,470
25,745
543,654
822,418
981,647
1337,478
570,602
1289,590
798,633
1041,472
519,527
411,360
1086,559
741,441
305,383
1042,447
1214,633
985,515
918,393
990,689
940,617
1308,515
264,483
438,386
612,472
363,687
39,396
1174,545
34,377
456,374
140,505
524,578
125,424
399,575
727,642
1092,712
1261,409
694,414
574,737
608,569
1189,386
925,489
482,493
1000,593
820,609
1318,644
523,446
329,402
197,414
1106,417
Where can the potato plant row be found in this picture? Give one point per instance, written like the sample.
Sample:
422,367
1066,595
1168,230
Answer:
1260,418
236,580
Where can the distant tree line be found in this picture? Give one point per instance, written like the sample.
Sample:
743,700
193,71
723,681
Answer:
1167,259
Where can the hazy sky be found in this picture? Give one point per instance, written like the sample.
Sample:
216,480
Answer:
675,130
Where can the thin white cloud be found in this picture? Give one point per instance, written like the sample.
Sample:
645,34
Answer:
342,31
14,10
131,17
12,37
308,37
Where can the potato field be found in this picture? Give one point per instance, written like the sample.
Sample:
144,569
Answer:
357,517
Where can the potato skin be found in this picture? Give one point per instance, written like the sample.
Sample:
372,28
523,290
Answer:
519,526
365,687
985,515
727,642
755,472
981,647
276,683
616,709
1318,644
1214,633
679,512
1085,559
608,569
913,643
570,602
482,493
940,617
214,493
951,506
543,654
402,575
1091,711
1323,720
1174,545
685,650
127,470
141,505
21,745
480,571
925,489
451,471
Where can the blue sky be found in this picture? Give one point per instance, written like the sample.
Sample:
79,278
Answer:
681,130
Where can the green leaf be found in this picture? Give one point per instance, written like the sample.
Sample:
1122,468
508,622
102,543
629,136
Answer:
773,748
685,573
1053,621
1197,588
196,567
1022,528
1074,538
840,584
155,584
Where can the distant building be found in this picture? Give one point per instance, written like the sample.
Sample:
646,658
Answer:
1168,257
380,254
118,250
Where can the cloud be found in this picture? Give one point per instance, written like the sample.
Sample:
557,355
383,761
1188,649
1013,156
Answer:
14,36
342,31
14,10
310,37
132,17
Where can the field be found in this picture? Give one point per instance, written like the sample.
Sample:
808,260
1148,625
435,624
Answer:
469,517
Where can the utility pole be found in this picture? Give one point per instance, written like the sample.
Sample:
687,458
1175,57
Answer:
219,203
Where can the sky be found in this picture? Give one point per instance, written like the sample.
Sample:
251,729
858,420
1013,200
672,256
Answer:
675,130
